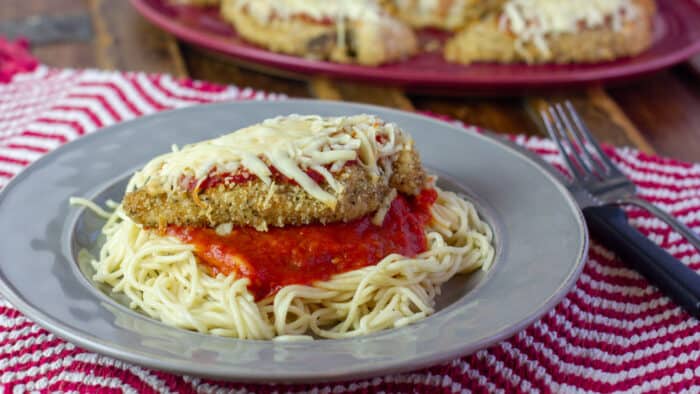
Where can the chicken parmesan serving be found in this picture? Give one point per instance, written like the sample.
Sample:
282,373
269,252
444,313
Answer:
346,31
296,227
374,32
555,31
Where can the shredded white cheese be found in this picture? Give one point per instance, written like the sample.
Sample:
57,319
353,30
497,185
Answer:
292,145
224,229
379,216
336,10
532,20
270,193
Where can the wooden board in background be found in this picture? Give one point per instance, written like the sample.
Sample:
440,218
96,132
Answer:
660,113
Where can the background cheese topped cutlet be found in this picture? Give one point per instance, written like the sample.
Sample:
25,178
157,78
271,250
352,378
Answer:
556,31
290,170
374,32
347,31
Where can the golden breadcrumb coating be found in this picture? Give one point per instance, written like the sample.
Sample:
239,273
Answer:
258,205
485,41
364,42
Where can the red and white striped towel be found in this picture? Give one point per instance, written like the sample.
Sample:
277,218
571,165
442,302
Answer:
613,331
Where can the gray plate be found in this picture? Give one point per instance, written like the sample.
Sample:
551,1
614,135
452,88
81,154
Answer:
540,237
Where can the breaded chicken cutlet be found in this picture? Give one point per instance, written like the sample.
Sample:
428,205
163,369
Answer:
345,31
376,32
556,31
286,171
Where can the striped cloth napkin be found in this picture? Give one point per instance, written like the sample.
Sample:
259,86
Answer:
613,332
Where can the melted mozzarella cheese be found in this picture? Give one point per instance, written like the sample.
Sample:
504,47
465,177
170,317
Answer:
533,20
292,145
336,10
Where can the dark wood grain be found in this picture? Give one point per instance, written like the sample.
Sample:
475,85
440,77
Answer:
666,108
502,115
521,115
328,89
19,9
50,29
212,67
65,54
602,115
694,66
658,113
125,41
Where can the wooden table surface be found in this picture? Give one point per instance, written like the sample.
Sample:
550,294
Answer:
659,113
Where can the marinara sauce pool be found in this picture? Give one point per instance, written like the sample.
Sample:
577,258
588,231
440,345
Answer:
306,254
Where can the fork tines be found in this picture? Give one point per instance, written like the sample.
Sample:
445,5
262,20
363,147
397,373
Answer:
582,153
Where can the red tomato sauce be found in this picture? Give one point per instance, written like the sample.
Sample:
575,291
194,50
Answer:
306,254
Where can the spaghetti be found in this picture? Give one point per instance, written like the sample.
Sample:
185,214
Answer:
162,277
295,227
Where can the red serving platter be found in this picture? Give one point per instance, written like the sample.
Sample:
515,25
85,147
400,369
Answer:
676,38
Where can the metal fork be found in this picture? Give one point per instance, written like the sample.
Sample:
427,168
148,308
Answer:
599,187
594,171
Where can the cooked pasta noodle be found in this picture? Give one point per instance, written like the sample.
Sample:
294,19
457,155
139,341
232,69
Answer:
161,276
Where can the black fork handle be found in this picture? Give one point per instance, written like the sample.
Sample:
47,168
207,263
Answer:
610,227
